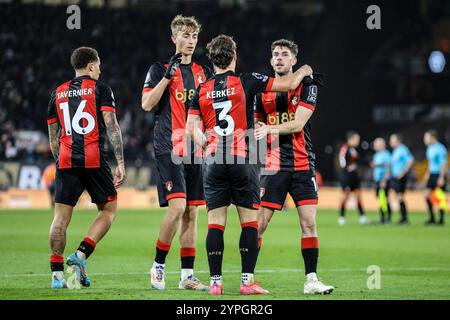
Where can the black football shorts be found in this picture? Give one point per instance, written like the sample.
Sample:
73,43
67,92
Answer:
70,184
399,185
301,185
432,182
350,181
227,184
179,180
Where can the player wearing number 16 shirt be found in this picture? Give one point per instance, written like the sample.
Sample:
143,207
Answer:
81,113
225,104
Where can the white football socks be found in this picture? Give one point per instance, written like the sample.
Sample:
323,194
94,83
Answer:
58,275
216,279
186,273
247,278
160,265
311,277
81,255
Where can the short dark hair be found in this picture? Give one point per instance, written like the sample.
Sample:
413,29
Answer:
82,56
350,134
291,45
433,133
221,50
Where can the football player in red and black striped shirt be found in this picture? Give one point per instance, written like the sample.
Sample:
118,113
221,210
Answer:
290,161
168,89
350,179
81,113
225,104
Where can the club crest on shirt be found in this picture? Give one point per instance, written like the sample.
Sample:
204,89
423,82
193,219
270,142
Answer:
200,78
294,100
169,185
262,191
268,100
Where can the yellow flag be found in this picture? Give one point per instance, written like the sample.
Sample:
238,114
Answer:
382,200
439,198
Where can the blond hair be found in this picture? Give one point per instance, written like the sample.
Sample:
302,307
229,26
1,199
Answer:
181,23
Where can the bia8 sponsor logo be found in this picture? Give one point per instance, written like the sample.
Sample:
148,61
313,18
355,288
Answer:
184,95
277,117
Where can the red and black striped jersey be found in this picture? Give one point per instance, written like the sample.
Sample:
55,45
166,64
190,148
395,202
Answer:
348,158
225,104
293,151
77,106
171,110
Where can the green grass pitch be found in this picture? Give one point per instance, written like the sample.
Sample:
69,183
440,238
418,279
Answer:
414,260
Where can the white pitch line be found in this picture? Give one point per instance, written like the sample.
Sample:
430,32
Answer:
419,269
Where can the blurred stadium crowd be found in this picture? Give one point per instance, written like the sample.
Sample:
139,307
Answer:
36,47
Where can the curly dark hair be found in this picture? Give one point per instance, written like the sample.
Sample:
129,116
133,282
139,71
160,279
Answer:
221,51
82,56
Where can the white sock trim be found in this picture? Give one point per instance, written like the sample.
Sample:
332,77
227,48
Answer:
311,277
247,278
185,273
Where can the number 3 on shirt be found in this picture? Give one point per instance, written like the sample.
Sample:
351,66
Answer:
77,117
225,106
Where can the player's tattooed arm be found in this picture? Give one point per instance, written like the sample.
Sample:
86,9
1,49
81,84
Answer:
54,133
193,129
302,115
115,138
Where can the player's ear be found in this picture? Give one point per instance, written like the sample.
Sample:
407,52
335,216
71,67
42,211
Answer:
174,39
294,61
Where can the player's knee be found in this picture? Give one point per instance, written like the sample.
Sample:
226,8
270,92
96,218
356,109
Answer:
60,222
308,226
176,210
110,214
262,226
179,209
190,214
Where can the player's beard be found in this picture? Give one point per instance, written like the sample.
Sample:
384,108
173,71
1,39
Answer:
281,74
284,72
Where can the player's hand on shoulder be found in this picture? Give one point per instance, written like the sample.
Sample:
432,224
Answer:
174,63
306,70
